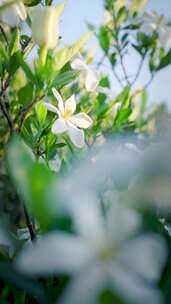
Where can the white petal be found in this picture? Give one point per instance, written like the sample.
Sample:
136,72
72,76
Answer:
78,64
92,80
55,253
70,105
21,11
81,120
130,219
59,126
76,135
59,99
132,288
145,255
50,107
85,288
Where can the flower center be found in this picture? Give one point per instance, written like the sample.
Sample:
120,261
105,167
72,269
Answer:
67,114
105,254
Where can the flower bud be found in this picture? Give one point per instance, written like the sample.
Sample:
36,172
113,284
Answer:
12,14
45,26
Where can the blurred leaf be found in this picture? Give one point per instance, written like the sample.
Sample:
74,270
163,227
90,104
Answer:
104,38
63,79
137,5
66,54
25,94
122,116
8,274
35,182
166,60
14,43
41,112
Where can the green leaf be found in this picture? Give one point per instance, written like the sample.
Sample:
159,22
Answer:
25,94
64,55
35,183
14,44
166,60
41,112
137,5
63,79
122,116
104,38
25,67
3,52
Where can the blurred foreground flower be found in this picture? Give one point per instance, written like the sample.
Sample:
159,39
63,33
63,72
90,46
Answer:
67,122
13,14
152,22
90,76
105,254
45,25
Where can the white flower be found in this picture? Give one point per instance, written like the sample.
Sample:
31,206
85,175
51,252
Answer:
90,76
45,26
67,122
153,22
105,254
13,14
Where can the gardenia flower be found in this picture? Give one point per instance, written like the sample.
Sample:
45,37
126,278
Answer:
13,14
67,122
90,76
153,22
105,254
45,26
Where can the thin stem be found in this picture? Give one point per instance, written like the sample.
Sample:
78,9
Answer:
26,110
4,35
117,46
138,70
3,107
29,225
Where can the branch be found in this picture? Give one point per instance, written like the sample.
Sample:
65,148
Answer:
26,110
29,225
3,107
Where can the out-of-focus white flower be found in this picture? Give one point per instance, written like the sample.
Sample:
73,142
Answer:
90,76
153,22
45,26
67,122
13,14
105,254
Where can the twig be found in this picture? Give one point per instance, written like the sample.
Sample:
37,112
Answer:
119,50
138,70
4,35
29,225
3,107
25,111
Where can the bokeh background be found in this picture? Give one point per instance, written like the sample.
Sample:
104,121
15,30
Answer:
78,12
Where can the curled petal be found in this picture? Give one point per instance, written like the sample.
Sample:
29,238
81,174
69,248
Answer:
59,126
78,64
70,105
81,120
50,107
91,81
59,99
76,135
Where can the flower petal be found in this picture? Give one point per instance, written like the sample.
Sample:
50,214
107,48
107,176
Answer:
76,135
81,120
70,105
55,253
50,107
131,221
78,64
86,286
59,126
138,254
132,288
59,99
92,80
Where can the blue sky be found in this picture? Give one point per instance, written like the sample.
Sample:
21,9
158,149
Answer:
73,25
